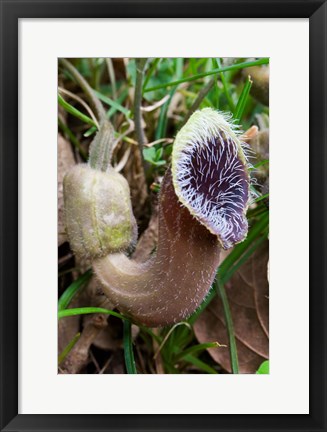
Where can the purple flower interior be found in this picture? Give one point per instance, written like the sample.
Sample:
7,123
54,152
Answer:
220,181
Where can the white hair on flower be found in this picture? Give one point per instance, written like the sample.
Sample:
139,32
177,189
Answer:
210,174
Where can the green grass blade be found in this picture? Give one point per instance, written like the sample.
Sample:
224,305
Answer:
128,348
179,67
113,103
238,251
243,99
257,211
88,310
229,273
68,348
200,364
168,336
171,369
150,72
259,164
195,349
162,122
110,112
262,197
230,328
74,111
150,333
72,290
195,64
213,72
225,86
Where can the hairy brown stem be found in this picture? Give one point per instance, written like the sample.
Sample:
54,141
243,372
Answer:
171,285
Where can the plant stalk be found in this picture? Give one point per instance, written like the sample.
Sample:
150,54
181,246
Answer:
230,328
140,136
128,348
202,94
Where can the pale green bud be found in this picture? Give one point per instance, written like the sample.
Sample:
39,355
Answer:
98,213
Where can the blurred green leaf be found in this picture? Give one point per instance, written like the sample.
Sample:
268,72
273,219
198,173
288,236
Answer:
263,368
74,111
68,348
153,156
73,289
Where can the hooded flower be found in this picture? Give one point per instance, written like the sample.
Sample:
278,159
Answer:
210,174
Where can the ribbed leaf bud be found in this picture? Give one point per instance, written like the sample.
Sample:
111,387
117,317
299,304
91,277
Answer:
98,212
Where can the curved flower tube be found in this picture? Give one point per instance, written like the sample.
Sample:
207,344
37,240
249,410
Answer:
202,207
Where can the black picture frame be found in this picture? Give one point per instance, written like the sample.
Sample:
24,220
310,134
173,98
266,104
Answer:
11,11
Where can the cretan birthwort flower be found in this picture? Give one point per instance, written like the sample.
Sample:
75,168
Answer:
202,205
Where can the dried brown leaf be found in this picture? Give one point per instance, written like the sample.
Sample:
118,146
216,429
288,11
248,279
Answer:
261,289
248,294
